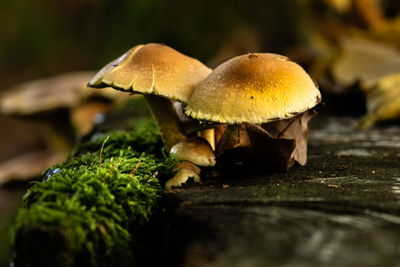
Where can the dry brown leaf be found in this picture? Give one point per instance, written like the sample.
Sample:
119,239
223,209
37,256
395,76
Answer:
276,144
233,137
272,151
295,128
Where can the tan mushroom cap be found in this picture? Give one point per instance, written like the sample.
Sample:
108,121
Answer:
153,69
66,90
196,150
255,88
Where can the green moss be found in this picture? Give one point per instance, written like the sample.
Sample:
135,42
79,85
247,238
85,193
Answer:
97,206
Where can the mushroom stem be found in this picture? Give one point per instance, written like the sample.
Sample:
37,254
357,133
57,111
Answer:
218,132
209,135
189,125
167,121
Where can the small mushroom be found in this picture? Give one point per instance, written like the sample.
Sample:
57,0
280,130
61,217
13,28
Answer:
161,74
183,172
257,88
196,150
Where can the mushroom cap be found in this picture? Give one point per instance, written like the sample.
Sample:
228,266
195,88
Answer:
153,69
66,90
196,150
255,88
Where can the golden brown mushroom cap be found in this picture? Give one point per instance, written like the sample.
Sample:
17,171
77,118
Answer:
255,88
153,69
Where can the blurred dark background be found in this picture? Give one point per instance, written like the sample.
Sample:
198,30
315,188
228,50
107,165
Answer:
44,38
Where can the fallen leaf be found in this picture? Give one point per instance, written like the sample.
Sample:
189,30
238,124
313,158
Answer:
233,137
277,144
295,128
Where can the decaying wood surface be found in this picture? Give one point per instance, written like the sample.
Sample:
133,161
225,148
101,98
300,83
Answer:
341,209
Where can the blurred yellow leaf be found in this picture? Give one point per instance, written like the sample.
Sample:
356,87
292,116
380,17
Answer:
341,6
383,101
365,62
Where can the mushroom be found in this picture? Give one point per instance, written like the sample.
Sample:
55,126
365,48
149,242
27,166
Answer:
196,150
167,80
65,91
183,171
161,74
52,111
262,97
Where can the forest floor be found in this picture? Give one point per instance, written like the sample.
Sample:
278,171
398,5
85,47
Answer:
341,209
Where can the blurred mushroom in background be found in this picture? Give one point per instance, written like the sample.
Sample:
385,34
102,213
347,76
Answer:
195,151
42,120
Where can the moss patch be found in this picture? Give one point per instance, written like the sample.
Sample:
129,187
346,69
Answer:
95,201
